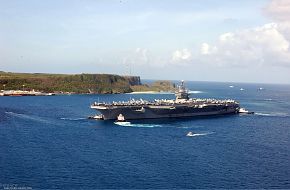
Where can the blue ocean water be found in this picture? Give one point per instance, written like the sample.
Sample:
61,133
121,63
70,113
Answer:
47,143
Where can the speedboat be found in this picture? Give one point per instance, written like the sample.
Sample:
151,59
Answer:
244,111
121,118
190,134
121,121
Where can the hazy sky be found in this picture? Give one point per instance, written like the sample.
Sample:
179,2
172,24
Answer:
205,40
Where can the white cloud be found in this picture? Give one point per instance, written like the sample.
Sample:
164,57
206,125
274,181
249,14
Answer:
205,49
279,10
267,45
183,55
139,56
256,46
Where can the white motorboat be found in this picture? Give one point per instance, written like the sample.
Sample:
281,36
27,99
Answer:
244,111
190,134
120,118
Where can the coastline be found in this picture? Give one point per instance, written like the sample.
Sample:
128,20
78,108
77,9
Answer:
149,92
37,93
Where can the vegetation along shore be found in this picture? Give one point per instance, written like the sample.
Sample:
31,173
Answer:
79,83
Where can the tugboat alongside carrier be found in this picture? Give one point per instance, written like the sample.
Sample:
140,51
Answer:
182,106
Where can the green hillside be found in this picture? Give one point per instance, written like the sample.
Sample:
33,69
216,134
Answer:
159,86
78,83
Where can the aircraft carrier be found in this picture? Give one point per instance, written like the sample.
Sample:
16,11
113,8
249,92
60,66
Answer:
182,106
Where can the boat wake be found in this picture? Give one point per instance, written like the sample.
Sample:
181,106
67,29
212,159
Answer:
195,92
129,124
277,114
191,134
73,119
29,117
268,99
191,127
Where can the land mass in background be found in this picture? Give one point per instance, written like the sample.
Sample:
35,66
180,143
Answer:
79,83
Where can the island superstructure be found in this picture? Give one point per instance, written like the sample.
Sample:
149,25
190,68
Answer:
182,106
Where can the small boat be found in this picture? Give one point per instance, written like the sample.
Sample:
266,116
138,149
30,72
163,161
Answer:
121,118
97,117
231,86
244,111
241,89
260,88
190,134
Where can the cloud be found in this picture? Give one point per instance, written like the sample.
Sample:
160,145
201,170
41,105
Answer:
261,45
139,56
266,45
205,49
181,56
279,10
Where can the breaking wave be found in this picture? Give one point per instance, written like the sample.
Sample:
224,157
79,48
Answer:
129,124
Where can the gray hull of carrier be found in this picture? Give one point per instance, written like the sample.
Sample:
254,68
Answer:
182,106
136,112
